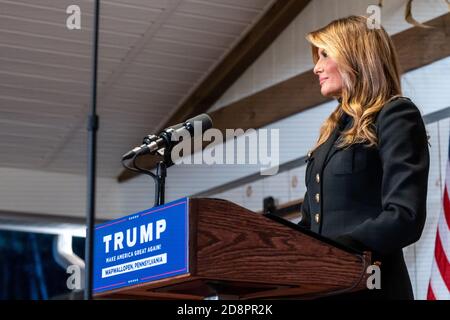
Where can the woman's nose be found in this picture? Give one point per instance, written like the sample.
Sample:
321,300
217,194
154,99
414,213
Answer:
318,68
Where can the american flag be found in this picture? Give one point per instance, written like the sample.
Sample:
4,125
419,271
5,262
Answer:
439,286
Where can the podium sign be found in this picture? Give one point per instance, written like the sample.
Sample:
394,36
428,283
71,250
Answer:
149,245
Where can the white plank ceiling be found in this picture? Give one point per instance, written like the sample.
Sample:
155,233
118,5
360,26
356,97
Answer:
152,54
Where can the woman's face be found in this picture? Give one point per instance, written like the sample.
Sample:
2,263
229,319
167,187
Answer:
330,79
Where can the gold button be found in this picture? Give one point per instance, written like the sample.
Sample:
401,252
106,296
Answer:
317,217
317,197
317,178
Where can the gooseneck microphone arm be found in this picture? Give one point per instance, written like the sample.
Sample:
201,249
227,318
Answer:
152,143
158,178
163,142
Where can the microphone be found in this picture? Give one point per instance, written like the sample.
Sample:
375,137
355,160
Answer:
154,143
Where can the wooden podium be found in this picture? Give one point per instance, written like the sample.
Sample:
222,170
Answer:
235,253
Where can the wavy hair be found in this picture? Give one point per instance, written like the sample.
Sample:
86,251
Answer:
368,64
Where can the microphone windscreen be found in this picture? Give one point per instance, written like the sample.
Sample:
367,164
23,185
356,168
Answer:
205,120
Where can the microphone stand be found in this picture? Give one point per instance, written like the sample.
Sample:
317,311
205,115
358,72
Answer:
161,168
160,183
92,159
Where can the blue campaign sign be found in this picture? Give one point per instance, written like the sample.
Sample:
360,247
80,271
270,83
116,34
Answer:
146,246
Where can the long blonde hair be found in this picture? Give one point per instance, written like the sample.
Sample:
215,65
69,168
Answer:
368,64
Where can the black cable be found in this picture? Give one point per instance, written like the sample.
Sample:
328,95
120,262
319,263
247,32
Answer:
128,167
156,180
142,170
137,168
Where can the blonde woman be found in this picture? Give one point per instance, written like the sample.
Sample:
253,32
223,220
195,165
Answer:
366,177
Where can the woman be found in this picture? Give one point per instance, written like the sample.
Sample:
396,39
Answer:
367,175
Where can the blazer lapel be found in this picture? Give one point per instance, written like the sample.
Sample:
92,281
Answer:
328,148
344,125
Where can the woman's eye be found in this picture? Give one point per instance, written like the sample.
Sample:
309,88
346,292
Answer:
324,54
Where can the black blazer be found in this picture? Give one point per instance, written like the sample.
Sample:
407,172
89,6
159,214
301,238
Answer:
373,198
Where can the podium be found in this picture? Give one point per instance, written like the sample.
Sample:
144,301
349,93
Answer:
234,253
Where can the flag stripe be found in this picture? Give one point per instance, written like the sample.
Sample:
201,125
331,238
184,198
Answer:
430,294
446,212
442,262
444,234
447,177
440,290
439,286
